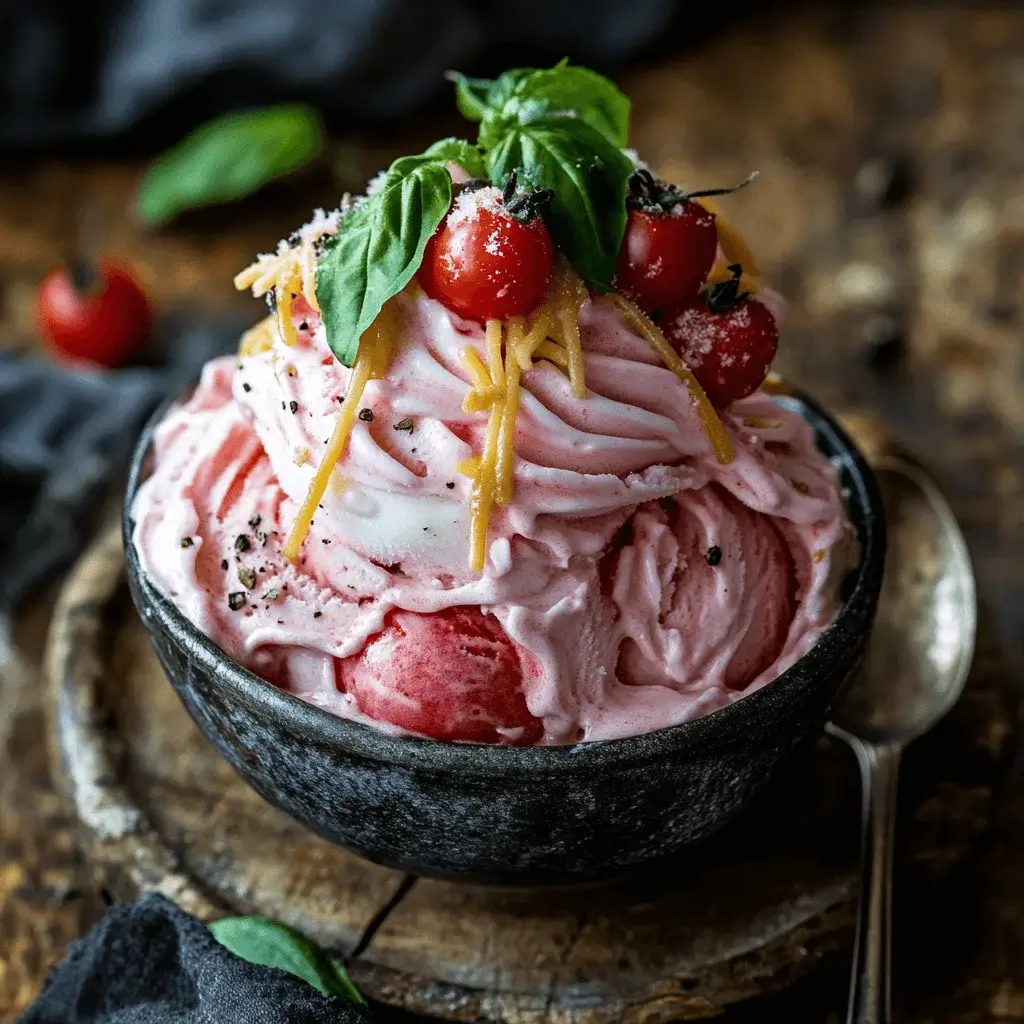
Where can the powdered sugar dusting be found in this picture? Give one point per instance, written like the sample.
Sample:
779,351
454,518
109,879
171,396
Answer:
468,206
697,335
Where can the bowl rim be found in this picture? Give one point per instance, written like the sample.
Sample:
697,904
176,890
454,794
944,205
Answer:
320,727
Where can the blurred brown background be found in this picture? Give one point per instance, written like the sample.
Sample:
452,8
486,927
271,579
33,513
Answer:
889,211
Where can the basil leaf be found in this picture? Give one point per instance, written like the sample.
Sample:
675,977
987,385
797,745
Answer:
378,248
229,158
587,174
592,96
269,944
458,151
452,150
471,96
529,92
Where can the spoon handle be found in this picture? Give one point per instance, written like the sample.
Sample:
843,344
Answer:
869,986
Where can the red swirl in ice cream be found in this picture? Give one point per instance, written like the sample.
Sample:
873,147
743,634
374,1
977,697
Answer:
639,583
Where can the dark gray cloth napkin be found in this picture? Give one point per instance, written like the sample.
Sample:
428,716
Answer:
151,963
65,441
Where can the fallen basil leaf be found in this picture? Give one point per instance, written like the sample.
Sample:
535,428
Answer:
270,944
586,173
378,248
229,158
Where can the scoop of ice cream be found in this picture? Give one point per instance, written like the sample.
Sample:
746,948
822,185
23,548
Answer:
724,585
596,572
453,675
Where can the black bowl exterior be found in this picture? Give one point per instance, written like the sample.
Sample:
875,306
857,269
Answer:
508,815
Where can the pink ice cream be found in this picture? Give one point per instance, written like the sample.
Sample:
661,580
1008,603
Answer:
633,582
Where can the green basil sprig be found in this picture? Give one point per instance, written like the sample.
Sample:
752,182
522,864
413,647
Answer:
587,175
379,245
590,97
229,158
270,944
560,128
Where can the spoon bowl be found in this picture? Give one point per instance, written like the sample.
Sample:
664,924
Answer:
921,649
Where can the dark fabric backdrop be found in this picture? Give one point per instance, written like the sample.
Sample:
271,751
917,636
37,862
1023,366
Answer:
76,70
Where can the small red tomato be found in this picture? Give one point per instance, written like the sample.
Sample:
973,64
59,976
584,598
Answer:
666,255
450,675
728,340
492,257
99,317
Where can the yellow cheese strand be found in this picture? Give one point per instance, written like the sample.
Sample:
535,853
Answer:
372,360
474,367
481,494
732,242
507,432
716,435
259,338
492,340
309,277
551,351
569,293
284,297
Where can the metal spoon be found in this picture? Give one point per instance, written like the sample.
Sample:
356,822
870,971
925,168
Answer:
914,670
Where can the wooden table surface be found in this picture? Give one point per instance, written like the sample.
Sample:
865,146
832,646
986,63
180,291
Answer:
890,211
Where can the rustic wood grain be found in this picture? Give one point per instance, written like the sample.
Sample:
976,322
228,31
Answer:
890,211
160,810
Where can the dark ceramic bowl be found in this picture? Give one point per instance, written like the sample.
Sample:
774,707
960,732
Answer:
509,815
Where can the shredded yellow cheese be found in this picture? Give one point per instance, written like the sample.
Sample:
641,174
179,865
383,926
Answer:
550,334
503,487
495,387
569,293
720,443
732,242
257,339
285,295
374,356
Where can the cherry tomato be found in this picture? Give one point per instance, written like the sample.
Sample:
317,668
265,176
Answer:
727,340
451,675
99,317
666,255
485,263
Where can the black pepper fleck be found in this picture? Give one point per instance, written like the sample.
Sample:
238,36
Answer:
324,540
450,485
405,424
224,564
242,542
187,542
256,520
303,326
293,405
283,406
237,600
714,555
316,615
366,415
247,387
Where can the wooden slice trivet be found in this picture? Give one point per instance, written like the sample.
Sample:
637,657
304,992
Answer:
161,811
